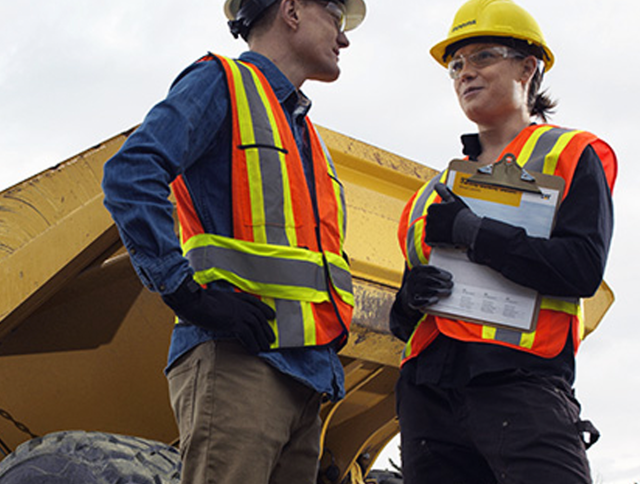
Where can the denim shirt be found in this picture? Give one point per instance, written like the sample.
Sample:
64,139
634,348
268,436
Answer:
189,134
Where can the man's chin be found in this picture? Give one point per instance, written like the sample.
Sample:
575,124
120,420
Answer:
327,76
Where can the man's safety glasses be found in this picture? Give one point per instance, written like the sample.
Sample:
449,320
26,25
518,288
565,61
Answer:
481,58
337,12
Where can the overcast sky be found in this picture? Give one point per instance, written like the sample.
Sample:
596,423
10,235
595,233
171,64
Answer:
76,72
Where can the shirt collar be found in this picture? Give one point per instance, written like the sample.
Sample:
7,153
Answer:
285,92
471,146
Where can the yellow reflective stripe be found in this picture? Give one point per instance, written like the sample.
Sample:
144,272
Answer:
290,225
338,190
527,339
338,194
524,340
554,304
308,318
489,332
551,160
530,145
247,136
408,348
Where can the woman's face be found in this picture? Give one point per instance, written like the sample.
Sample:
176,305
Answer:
492,85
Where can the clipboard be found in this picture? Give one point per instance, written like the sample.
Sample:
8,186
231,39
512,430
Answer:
503,191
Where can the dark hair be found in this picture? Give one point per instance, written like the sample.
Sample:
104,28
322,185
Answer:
539,103
263,21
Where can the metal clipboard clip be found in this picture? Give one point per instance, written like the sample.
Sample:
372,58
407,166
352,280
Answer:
506,173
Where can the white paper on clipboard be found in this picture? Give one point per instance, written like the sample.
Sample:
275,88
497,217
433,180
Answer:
481,294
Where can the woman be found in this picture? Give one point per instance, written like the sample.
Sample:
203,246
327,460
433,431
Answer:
476,404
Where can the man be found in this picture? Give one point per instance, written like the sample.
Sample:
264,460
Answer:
262,294
480,404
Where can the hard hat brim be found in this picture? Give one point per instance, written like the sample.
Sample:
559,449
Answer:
355,11
231,8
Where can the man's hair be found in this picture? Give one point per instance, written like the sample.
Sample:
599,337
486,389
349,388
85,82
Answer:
264,21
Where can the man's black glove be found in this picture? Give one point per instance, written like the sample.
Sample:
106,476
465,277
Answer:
451,222
241,314
423,287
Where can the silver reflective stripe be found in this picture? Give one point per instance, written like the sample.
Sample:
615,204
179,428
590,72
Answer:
270,168
334,175
266,270
419,206
419,209
543,147
412,253
291,312
510,336
341,278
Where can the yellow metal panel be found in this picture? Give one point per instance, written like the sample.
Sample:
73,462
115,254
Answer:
596,307
51,227
377,186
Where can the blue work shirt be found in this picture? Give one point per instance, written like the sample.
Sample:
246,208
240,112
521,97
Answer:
189,134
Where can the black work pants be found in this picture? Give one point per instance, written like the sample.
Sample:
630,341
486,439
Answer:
510,428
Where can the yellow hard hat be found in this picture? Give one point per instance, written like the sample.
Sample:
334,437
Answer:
493,18
242,13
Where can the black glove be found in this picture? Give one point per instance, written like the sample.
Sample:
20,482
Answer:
424,286
421,287
451,222
241,314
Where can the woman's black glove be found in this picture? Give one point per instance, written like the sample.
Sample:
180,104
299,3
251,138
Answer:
451,222
424,286
421,287
241,314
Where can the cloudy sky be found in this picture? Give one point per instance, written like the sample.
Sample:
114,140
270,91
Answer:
76,72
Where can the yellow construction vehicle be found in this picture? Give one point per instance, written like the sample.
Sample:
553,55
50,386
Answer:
83,344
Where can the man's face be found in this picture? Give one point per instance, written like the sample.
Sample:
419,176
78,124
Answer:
321,38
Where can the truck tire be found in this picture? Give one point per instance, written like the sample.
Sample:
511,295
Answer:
77,457
383,477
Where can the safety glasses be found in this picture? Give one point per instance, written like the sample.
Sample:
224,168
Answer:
337,11
481,58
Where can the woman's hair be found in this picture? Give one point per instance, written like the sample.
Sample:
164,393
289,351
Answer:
539,103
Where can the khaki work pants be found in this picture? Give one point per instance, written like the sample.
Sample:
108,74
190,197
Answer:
241,421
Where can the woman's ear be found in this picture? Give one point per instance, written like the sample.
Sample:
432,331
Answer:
529,66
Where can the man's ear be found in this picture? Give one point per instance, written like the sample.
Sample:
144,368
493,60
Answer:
289,12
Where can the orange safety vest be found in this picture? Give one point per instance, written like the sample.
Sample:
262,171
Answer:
538,148
279,251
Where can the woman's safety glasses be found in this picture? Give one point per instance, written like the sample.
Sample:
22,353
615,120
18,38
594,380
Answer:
481,58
